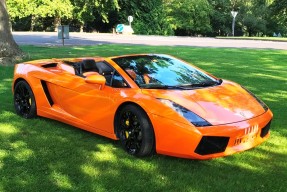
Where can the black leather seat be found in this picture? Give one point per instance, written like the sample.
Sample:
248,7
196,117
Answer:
89,65
105,70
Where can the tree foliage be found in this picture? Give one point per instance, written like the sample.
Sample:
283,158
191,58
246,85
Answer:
279,15
149,16
36,9
21,8
159,17
220,17
89,10
189,16
254,17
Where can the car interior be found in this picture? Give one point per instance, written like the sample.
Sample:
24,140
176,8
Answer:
88,67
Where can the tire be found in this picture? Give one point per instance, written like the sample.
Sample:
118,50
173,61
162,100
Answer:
24,100
135,131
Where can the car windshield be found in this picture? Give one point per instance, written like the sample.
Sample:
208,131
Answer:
163,72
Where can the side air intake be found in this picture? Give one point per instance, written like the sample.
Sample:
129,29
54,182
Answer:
211,144
47,93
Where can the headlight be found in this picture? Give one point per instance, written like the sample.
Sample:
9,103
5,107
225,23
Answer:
189,115
257,99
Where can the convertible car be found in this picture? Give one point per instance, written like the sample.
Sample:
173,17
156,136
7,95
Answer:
152,103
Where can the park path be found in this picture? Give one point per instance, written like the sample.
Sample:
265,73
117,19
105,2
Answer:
51,39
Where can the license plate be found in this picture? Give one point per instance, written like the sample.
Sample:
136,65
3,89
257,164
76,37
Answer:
246,138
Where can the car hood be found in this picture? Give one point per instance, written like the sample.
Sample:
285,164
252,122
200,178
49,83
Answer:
222,104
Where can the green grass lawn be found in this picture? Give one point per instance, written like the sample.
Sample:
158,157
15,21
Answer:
46,155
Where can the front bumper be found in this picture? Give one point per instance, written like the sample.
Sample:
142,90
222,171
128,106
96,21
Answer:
181,140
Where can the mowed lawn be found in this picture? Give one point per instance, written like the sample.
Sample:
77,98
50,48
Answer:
45,155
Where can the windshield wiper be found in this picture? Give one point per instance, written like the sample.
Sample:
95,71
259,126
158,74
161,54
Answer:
183,86
202,84
206,83
166,87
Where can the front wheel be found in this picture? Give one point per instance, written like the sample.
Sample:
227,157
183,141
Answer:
135,131
24,100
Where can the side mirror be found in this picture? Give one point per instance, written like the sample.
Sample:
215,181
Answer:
96,79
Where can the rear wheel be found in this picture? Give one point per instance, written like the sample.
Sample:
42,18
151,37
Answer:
24,100
135,131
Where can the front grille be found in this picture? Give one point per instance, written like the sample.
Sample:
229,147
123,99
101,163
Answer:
211,144
265,130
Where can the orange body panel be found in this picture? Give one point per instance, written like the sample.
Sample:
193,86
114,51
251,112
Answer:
64,96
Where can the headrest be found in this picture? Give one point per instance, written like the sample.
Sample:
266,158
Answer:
89,64
104,68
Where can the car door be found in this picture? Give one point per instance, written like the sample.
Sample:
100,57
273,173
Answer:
88,103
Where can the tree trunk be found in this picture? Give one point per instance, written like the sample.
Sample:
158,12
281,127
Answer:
57,22
33,21
9,50
81,27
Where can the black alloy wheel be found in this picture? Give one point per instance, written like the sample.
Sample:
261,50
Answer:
135,131
24,100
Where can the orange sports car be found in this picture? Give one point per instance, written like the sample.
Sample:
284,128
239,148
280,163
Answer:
150,102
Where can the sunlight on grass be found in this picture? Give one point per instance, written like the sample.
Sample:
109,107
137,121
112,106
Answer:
79,48
90,170
61,180
275,96
3,155
7,129
268,76
7,80
249,167
267,60
106,153
20,151
276,141
23,154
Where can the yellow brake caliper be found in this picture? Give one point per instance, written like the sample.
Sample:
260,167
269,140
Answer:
128,124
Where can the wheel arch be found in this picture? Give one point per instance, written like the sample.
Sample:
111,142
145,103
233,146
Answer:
18,80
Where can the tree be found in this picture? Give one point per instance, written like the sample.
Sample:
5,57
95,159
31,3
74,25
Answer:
57,9
190,17
254,17
18,9
9,50
89,10
36,9
279,15
220,17
83,12
149,16
157,17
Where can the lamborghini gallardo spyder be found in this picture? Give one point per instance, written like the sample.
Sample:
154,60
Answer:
152,103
